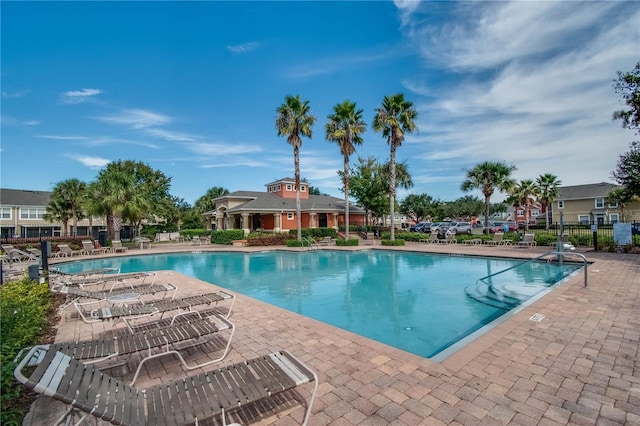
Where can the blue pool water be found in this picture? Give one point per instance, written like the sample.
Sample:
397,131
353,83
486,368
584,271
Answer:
421,303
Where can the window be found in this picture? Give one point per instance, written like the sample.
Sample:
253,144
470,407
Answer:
583,219
288,187
535,213
289,215
599,203
561,204
279,187
303,188
32,213
613,205
5,212
520,213
614,218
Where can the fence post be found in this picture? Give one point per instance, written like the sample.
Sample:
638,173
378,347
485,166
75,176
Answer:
594,230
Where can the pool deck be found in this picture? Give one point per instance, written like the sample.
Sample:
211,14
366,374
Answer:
579,365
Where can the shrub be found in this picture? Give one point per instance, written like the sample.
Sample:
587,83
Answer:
396,242
265,239
24,307
315,233
347,243
226,236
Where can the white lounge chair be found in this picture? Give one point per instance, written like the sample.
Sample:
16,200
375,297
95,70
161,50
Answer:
527,241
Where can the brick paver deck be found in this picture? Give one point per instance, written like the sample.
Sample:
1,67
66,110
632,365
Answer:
579,365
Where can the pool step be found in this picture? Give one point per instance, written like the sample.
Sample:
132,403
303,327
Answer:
484,294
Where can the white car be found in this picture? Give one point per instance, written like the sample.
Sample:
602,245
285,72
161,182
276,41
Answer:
461,227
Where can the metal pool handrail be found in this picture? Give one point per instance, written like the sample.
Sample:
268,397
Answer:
560,254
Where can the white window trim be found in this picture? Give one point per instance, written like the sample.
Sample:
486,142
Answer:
601,205
9,210
303,188
39,213
289,187
613,205
581,216
614,217
560,204
289,216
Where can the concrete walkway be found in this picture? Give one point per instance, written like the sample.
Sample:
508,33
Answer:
579,365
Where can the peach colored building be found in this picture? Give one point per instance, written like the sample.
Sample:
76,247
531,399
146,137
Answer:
275,209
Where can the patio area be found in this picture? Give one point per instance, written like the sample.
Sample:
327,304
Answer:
580,364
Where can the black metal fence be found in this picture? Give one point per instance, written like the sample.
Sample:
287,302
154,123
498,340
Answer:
581,234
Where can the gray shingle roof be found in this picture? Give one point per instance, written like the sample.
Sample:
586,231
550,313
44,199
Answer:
581,192
264,201
22,197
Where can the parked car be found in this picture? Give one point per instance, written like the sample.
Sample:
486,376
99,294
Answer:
440,227
420,227
461,227
499,226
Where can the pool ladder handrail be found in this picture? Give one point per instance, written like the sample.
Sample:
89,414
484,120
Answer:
558,253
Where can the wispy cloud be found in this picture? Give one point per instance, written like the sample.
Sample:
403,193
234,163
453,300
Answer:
243,48
220,149
65,138
136,118
529,84
14,95
91,162
6,120
79,96
330,65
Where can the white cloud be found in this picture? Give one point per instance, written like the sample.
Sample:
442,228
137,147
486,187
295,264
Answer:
79,96
14,95
244,47
221,149
65,138
91,162
136,118
530,85
6,120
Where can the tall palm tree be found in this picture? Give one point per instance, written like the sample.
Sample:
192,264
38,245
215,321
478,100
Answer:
344,127
488,176
58,211
72,191
523,194
294,120
548,190
394,117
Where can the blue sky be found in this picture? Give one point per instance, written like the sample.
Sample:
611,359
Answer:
191,88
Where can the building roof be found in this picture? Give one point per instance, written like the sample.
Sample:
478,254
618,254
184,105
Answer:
22,197
581,192
272,202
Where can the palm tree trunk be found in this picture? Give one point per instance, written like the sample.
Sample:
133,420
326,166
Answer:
487,206
546,217
346,197
392,188
296,160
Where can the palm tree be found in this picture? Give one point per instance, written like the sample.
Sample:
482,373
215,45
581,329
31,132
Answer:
488,177
72,191
293,120
393,118
58,211
344,127
523,194
548,190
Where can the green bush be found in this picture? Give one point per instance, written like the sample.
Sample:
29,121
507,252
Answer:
265,239
227,236
23,307
396,242
293,242
347,243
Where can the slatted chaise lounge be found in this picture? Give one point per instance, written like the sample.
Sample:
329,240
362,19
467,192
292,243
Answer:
77,293
183,402
128,311
157,341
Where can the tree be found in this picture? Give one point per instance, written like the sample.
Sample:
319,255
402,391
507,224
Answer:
627,85
368,187
394,117
523,194
548,190
58,211
69,194
294,120
627,172
488,176
345,126
206,202
621,197
417,207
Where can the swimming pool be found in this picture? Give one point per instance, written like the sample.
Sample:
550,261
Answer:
421,303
